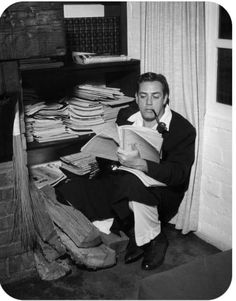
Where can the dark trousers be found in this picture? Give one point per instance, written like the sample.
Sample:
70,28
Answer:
108,196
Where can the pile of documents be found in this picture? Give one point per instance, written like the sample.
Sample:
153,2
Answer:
46,123
80,164
32,104
92,105
83,115
89,107
97,92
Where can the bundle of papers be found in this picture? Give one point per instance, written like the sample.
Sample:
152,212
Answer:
52,110
98,102
89,107
47,174
45,122
83,115
50,129
97,92
80,164
33,107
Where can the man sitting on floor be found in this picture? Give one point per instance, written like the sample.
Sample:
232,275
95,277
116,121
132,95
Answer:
139,210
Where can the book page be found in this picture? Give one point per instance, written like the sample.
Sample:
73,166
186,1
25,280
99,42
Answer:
147,141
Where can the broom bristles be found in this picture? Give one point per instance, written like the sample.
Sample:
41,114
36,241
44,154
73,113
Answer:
23,222
23,210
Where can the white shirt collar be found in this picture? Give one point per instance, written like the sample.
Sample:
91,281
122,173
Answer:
137,119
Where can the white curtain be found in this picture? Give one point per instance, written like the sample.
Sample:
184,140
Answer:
173,43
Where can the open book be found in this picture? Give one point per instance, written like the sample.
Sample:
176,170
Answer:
110,137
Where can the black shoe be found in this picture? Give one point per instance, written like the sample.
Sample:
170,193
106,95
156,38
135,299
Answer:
133,252
154,252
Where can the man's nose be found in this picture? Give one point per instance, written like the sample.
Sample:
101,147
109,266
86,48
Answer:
149,100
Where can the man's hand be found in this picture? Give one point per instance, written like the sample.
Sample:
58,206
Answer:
131,158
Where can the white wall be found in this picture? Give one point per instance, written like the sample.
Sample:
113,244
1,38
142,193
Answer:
215,217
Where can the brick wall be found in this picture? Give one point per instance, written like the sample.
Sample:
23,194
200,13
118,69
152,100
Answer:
215,215
15,263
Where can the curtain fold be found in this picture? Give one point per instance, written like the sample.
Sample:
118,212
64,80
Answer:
173,43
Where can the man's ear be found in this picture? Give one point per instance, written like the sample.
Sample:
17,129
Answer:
165,100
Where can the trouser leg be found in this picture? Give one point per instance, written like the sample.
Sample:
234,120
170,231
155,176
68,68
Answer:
146,223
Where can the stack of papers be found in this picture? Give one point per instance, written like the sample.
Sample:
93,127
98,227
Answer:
110,99
97,92
33,107
48,124
83,115
80,163
45,122
50,129
89,107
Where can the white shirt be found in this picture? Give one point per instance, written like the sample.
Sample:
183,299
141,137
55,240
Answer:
137,118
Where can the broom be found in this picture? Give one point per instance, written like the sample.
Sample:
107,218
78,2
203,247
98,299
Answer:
24,222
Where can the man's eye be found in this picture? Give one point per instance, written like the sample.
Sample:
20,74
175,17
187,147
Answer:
142,95
156,95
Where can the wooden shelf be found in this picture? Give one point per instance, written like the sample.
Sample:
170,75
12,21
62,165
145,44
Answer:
51,84
37,145
50,151
71,66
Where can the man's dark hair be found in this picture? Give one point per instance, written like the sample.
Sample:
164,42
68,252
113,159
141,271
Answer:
151,77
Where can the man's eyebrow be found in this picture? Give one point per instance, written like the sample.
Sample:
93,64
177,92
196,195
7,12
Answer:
155,92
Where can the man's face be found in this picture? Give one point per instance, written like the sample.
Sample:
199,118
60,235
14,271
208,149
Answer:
150,97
